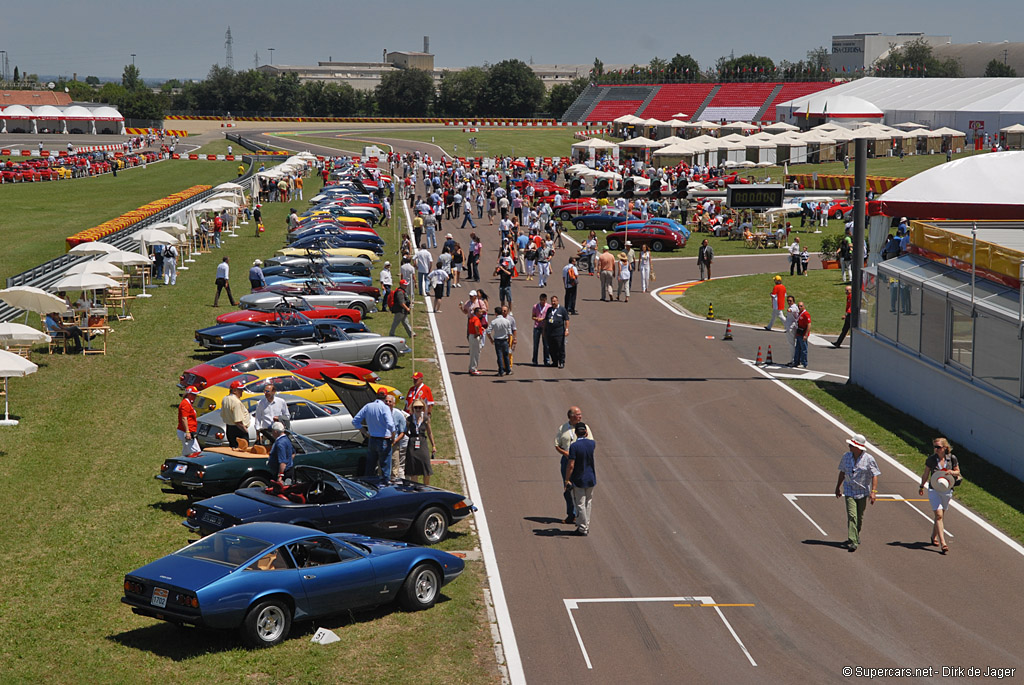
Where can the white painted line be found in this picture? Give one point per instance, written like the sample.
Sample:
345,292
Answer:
791,372
792,500
572,604
815,339
513,661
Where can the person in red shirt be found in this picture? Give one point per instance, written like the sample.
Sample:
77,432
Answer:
419,391
475,336
846,320
803,331
187,423
778,302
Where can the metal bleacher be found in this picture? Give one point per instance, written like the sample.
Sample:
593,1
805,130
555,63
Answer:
675,98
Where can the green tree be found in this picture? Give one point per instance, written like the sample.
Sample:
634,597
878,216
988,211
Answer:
78,90
746,68
597,71
92,80
130,78
169,85
996,69
112,93
818,61
17,74
561,96
143,104
915,59
684,68
406,92
459,93
512,90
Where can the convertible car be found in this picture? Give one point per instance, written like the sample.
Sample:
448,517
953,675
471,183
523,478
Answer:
290,304
332,242
227,366
219,468
377,351
258,578
286,325
210,398
326,501
316,294
370,255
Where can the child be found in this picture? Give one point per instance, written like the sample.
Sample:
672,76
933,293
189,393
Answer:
805,257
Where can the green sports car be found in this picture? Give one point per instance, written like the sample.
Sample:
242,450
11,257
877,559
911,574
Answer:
217,470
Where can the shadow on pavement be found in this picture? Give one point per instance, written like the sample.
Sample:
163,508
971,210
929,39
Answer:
825,543
921,546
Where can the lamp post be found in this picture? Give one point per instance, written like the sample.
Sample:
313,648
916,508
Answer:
133,59
271,55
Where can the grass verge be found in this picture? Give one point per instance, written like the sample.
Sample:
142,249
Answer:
77,477
989,491
746,299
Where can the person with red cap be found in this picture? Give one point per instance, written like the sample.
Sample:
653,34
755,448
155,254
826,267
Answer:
399,306
235,415
419,391
187,424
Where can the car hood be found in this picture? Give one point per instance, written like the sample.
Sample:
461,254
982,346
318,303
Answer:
239,504
183,572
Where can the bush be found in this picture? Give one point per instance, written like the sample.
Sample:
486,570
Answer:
830,247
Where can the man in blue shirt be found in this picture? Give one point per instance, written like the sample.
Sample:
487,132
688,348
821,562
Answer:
281,461
580,474
377,424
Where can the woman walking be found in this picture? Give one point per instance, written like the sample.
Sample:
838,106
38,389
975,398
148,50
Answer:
941,473
623,274
457,260
645,267
417,429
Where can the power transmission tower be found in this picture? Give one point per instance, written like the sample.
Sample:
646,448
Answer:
230,61
256,60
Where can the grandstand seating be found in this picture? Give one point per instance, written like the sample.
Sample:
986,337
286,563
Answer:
608,110
737,101
672,98
791,91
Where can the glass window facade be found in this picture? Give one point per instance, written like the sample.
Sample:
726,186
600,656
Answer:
997,353
933,326
910,315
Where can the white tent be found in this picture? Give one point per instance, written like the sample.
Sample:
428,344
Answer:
780,127
78,119
641,142
108,120
48,117
18,119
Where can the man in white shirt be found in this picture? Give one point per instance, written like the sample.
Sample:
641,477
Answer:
423,263
222,282
385,282
270,408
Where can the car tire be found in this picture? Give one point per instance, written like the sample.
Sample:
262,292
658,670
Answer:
613,244
431,526
266,624
359,307
345,319
564,216
580,225
421,588
385,359
658,246
261,482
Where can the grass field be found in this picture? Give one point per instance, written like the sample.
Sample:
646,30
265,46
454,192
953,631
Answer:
542,142
39,216
877,166
746,299
77,480
991,492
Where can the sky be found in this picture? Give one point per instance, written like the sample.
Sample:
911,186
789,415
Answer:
184,38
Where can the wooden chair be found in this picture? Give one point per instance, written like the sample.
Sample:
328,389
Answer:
20,350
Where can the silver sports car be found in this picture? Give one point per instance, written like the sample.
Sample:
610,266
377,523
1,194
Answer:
379,352
330,423
321,296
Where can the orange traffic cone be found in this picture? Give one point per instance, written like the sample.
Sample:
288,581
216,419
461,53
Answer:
758,361
728,330
768,359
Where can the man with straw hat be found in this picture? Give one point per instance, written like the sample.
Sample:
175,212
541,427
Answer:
858,482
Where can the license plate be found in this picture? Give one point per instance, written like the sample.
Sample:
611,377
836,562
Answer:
213,518
181,468
159,597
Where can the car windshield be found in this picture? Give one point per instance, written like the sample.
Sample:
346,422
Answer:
357,491
307,445
245,378
226,361
224,548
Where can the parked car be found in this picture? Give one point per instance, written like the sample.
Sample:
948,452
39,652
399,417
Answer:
211,398
379,352
218,468
293,304
227,366
316,294
571,206
660,237
257,578
290,325
326,501
604,220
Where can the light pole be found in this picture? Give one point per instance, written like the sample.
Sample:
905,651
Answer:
133,59
271,55
3,65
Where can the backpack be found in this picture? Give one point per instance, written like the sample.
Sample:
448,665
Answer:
391,302
844,250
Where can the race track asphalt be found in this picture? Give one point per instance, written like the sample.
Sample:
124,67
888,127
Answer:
715,486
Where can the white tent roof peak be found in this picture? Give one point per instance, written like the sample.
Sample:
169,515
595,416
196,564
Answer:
1015,128
47,112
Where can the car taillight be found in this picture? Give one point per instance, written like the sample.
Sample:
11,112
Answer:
163,467
220,436
190,513
186,600
133,587
200,474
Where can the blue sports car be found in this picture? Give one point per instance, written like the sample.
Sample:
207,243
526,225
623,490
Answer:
326,501
259,577
328,242
288,325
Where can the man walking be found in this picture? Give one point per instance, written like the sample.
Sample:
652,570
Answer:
606,271
475,338
386,280
580,474
222,282
794,257
281,459
778,298
538,314
556,329
499,331
858,483
400,308
564,439
423,263
571,279
705,255
187,423
801,332
170,265
846,319
377,424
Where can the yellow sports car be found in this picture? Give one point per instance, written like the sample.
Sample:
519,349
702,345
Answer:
323,215
333,252
210,398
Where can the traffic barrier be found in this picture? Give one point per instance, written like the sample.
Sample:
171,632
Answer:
728,330
133,217
758,361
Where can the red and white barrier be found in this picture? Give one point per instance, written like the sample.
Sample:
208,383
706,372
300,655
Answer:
99,148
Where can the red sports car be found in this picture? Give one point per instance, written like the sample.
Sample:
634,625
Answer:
658,236
244,361
302,289
270,315
571,206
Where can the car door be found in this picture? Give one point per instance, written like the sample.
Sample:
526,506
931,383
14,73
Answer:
306,421
334,577
357,509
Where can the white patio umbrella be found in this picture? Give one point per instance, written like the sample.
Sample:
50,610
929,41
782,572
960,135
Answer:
228,186
32,299
170,227
95,267
12,365
92,248
11,332
85,282
125,258
153,236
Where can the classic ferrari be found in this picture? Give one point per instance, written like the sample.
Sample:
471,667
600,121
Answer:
220,469
658,236
286,326
290,304
377,351
227,366
316,285
210,398
328,423
258,578
326,501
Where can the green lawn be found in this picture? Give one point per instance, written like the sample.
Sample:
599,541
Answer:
354,147
991,492
528,142
39,216
877,166
746,299
77,480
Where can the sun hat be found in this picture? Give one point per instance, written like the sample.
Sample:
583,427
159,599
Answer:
387,263
472,293
257,262
419,403
942,481
857,440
